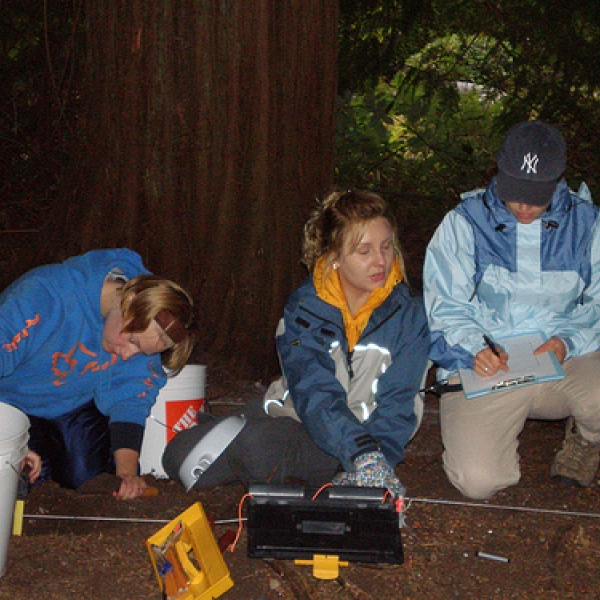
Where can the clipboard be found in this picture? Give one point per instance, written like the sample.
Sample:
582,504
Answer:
525,368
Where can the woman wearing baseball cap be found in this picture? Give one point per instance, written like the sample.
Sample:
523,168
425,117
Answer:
522,254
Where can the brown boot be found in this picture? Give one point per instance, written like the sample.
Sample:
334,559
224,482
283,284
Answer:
577,462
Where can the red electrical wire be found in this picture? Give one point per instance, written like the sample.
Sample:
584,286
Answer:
240,522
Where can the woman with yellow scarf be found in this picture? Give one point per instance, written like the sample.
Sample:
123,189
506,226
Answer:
353,343
353,346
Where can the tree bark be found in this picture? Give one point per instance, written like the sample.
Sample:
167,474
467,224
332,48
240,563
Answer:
207,137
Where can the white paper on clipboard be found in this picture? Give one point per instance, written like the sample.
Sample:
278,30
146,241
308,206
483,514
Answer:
525,367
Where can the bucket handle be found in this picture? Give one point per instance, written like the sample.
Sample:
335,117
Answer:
15,456
165,425
20,475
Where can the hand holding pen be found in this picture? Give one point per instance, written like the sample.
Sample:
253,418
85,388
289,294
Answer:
491,359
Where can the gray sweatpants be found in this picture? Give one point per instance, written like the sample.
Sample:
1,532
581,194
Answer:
480,434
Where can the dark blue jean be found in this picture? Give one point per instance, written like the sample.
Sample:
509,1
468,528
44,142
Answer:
74,447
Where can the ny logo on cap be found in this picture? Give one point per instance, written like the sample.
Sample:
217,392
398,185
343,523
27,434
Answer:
530,163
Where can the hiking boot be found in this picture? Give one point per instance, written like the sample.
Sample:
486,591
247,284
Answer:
577,461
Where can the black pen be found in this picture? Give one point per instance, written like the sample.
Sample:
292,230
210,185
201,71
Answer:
491,345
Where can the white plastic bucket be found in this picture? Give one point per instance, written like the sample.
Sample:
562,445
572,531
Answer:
14,435
176,407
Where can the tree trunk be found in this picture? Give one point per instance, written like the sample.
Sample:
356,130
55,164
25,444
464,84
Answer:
208,136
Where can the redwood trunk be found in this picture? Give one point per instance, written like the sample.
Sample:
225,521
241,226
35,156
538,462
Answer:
208,136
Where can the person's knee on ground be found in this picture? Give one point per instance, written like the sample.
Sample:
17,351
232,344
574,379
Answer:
478,481
197,457
75,447
71,472
280,451
271,451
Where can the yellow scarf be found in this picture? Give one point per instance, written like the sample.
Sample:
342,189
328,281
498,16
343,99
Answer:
329,289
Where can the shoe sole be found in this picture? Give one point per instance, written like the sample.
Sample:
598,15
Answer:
568,481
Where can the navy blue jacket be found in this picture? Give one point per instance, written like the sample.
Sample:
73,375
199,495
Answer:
351,403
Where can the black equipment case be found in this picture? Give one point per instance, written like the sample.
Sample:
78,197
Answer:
354,523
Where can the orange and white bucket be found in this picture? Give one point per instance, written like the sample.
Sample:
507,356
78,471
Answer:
176,407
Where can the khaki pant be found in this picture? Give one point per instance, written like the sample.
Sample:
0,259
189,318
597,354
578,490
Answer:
480,435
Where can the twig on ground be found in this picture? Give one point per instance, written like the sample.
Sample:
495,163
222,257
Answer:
356,592
289,574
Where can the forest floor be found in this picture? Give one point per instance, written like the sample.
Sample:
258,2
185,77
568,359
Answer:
91,546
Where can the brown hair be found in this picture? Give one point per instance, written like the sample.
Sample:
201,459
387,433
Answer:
144,297
340,218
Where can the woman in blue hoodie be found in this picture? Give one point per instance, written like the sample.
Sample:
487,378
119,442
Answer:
82,349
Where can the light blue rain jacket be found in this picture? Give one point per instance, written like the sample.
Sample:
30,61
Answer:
487,273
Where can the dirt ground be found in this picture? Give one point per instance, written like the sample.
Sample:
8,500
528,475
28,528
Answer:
88,546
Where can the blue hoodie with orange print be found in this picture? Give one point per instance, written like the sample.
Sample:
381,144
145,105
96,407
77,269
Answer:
51,355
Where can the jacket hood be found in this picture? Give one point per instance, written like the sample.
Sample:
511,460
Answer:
88,272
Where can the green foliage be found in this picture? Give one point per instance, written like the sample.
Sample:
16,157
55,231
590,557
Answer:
428,122
417,134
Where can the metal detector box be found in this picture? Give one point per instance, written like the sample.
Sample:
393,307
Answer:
354,523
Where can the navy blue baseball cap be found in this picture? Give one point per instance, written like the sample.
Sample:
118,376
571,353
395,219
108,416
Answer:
531,161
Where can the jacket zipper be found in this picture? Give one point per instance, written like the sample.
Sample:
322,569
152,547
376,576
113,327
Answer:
349,353
336,325
349,361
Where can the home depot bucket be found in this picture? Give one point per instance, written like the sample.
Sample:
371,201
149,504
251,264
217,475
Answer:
14,435
175,409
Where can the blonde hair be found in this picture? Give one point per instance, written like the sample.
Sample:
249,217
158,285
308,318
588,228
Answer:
143,297
341,218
